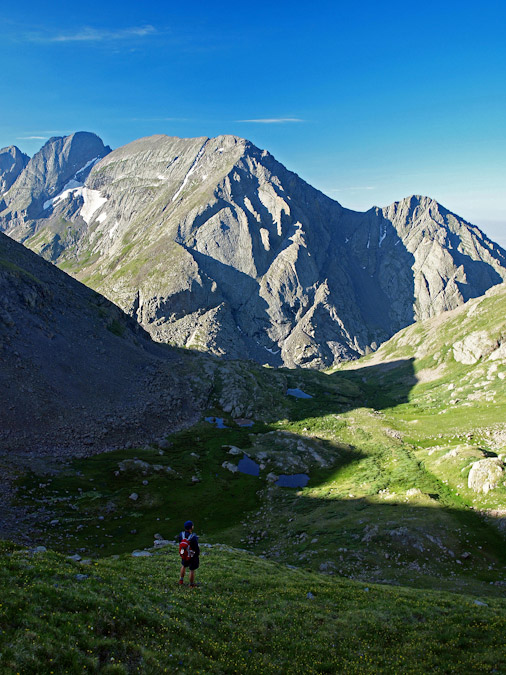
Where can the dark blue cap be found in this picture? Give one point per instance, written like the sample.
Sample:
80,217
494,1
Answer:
188,525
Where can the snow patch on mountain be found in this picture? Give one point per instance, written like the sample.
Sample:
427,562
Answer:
383,234
91,163
92,199
113,229
190,172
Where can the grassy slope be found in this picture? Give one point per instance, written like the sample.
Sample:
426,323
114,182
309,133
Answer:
249,615
397,434
379,511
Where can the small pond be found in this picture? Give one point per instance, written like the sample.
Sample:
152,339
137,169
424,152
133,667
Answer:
216,420
247,465
298,393
294,481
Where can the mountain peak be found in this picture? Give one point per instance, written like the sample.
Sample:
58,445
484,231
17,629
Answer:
74,136
12,150
79,143
59,161
414,208
12,163
422,201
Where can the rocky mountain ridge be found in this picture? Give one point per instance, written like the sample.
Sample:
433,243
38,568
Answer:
214,245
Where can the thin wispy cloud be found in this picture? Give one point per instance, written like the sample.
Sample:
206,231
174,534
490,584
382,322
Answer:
31,138
273,120
95,35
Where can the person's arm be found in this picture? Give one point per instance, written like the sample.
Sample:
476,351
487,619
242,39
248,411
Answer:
195,544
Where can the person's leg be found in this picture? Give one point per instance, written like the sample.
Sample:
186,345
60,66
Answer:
192,577
183,570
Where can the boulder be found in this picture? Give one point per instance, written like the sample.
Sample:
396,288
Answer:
499,354
40,549
243,422
414,492
133,465
370,532
233,450
231,467
486,474
473,347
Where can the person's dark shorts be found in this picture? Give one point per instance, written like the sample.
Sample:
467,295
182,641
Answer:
192,564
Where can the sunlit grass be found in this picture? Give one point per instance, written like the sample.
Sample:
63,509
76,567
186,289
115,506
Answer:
127,615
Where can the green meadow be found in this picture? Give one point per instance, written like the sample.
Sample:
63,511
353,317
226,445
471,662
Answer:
404,562
127,615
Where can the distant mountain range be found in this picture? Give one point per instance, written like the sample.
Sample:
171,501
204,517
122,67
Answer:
214,245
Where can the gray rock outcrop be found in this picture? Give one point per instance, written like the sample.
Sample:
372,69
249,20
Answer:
231,467
474,347
486,474
214,245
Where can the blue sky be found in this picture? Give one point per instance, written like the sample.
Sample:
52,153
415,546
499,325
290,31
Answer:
370,103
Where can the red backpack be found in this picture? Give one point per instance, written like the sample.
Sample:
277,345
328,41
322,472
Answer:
185,550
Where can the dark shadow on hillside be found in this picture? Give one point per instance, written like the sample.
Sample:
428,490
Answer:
401,544
380,268
377,386
423,541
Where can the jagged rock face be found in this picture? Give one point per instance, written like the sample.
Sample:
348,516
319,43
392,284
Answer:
213,244
12,163
453,261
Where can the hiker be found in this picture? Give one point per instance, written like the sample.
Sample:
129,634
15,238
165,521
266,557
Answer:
189,551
